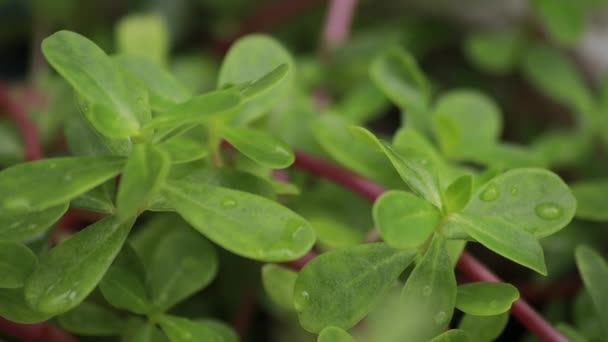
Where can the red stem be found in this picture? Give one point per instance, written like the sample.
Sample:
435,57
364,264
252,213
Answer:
29,132
39,332
337,25
467,263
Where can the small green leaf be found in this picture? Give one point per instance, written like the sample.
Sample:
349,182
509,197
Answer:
457,195
164,90
14,308
398,75
556,76
91,319
183,263
454,115
184,330
415,174
19,227
259,146
504,238
403,219
41,184
265,82
199,109
534,200
144,35
564,20
181,149
495,51
279,283
453,335
17,262
83,140
253,58
486,298
99,199
71,270
146,332
429,294
332,233
243,223
334,334
123,286
142,177
229,178
340,287
220,328
591,199
484,328
594,271
118,105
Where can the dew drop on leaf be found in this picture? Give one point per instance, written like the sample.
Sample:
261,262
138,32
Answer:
228,203
548,211
490,193
440,317
300,300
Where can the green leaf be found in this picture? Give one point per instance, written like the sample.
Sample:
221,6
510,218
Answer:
83,140
118,105
19,227
183,263
184,330
199,109
591,199
259,146
564,20
506,156
484,328
146,333
534,200
142,177
495,51
99,199
17,262
279,283
332,233
594,271
71,270
144,35
14,308
264,83
220,328
91,319
251,58
403,219
557,77
456,113
334,334
458,194
123,286
429,294
340,287
332,133
229,178
245,224
486,298
453,335
41,184
415,174
164,89
398,75
181,149
362,102
504,238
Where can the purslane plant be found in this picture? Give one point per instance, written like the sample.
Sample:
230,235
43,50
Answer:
145,143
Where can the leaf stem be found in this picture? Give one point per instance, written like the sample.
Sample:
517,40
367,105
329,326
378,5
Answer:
467,263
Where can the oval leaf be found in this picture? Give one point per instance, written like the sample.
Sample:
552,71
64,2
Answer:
535,200
242,223
340,287
484,328
458,193
42,184
279,283
14,308
486,298
184,330
71,270
17,262
259,146
91,319
334,334
403,219
454,335
182,149
144,35
19,227
591,199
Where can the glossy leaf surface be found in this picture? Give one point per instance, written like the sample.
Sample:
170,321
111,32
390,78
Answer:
259,146
486,298
17,263
334,334
18,227
184,330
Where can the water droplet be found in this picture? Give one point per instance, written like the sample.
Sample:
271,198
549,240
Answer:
440,317
490,193
16,203
300,300
426,291
514,191
228,203
549,211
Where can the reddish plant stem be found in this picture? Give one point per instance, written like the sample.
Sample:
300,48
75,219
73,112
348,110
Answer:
29,132
467,263
337,26
242,321
39,332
